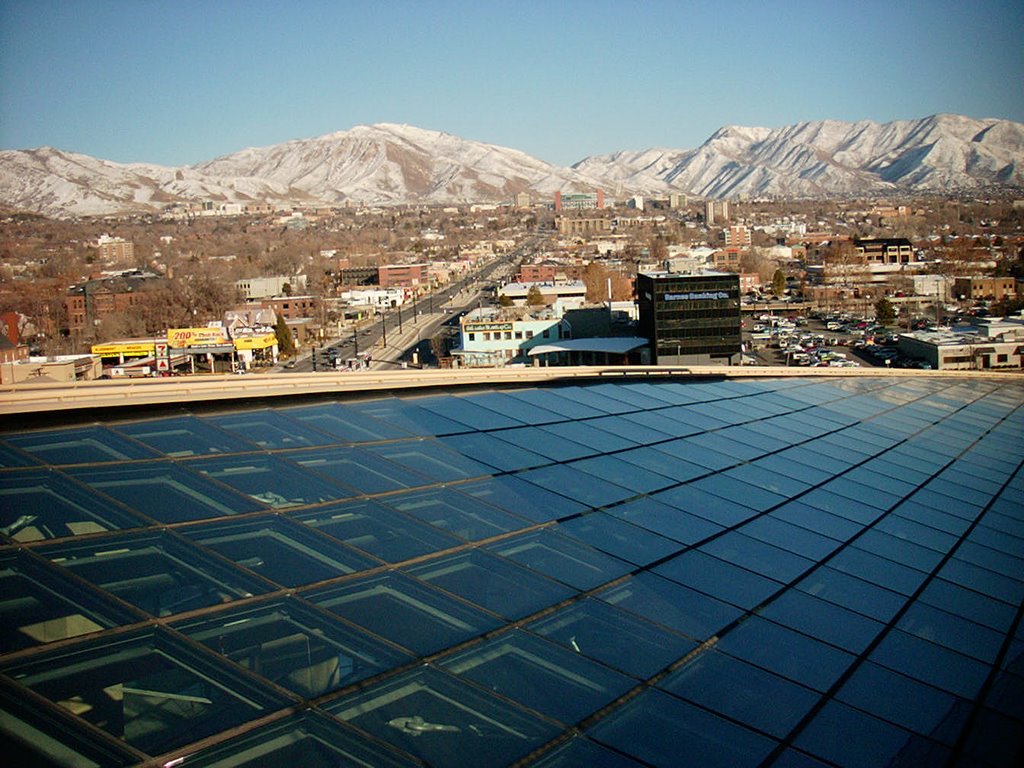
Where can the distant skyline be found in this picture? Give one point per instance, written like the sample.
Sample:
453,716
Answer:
180,83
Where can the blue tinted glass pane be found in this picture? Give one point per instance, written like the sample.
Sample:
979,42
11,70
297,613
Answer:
757,556
617,638
270,480
793,538
951,631
658,461
157,573
878,570
638,430
982,580
707,505
495,584
723,580
931,663
580,751
518,408
818,521
741,692
404,611
167,695
852,738
80,446
553,401
619,538
355,468
185,436
270,429
40,605
444,721
536,440
13,457
346,423
658,728
465,411
670,522
287,553
762,477
905,702
785,652
513,494
378,530
496,453
407,417
455,512
623,473
37,504
583,433
672,605
430,458
577,485
562,558
823,620
853,593
310,740
972,605
165,491
894,548
545,677
295,646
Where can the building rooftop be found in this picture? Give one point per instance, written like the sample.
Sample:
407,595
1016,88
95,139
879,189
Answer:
764,571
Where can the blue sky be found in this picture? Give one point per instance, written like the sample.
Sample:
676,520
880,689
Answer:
176,83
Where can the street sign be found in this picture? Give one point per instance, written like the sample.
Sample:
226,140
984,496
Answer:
161,349
163,364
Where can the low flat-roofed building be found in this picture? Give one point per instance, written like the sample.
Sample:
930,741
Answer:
571,293
982,287
947,350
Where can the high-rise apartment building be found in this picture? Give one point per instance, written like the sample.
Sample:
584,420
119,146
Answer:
579,201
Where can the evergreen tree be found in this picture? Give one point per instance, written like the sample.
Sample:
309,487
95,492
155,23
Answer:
285,343
885,312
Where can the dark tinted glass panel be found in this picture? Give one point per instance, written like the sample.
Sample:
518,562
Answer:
553,401
878,570
295,646
785,652
894,548
579,751
758,556
37,504
493,583
740,691
657,728
972,605
787,536
716,577
617,638
378,530
455,512
930,663
670,522
287,553
404,611
906,702
823,620
462,725
148,689
527,500
817,520
310,740
850,592
658,461
465,411
517,408
951,631
357,469
494,452
157,573
535,440
701,456
561,558
545,677
270,480
577,485
430,458
270,429
13,457
619,538
982,580
602,441
703,504
346,423
629,428
185,436
407,417
40,605
841,733
672,605
623,473
764,478
80,446
165,491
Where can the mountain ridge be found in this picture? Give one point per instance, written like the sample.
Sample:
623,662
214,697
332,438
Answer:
392,163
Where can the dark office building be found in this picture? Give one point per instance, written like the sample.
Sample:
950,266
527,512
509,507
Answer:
691,319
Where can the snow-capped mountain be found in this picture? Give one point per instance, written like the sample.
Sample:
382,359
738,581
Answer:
389,163
828,157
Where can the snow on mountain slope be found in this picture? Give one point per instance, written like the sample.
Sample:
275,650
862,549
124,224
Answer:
389,163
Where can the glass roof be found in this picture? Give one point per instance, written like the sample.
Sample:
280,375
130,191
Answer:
753,572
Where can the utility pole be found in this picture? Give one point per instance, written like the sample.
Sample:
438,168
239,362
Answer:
399,318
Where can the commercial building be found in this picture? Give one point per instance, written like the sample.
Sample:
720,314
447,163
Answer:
993,288
579,201
253,288
575,225
691,319
404,275
487,340
89,303
571,293
891,250
733,573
